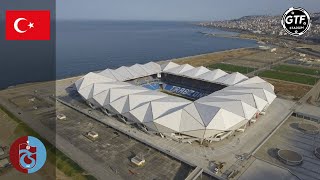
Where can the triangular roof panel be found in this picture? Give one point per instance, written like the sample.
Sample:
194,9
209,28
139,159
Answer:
168,65
110,73
156,68
91,78
195,72
180,69
118,92
139,69
212,75
231,79
224,120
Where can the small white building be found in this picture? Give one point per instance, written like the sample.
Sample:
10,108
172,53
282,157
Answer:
92,135
61,117
302,55
138,160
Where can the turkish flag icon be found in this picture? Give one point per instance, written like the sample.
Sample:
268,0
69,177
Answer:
28,25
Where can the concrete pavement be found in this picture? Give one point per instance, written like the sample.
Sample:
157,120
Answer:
93,167
194,154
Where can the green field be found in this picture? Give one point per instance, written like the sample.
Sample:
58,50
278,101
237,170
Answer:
231,68
56,157
303,79
296,69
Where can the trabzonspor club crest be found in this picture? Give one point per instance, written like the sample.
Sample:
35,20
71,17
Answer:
28,154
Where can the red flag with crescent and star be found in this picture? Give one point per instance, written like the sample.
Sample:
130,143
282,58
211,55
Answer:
28,25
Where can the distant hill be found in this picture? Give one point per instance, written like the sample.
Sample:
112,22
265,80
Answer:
315,18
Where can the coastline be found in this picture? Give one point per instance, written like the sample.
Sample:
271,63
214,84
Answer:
160,61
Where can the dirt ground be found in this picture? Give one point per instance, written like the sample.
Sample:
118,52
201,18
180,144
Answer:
212,58
247,57
261,58
289,90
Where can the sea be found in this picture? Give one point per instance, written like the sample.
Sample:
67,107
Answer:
89,46
84,46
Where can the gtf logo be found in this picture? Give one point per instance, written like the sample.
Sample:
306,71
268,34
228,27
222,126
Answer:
28,154
296,21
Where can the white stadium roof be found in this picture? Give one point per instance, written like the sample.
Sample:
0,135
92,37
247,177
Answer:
155,67
259,92
168,65
91,78
257,82
124,73
221,111
212,75
211,119
115,93
112,74
195,72
232,105
140,68
127,72
158,109
109,95
131,101
179,69
98,88
231,79
247,97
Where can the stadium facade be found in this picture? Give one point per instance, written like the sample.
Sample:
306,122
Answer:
178,101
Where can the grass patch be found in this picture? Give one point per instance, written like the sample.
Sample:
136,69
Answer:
303,79
297,69
62,162
231,68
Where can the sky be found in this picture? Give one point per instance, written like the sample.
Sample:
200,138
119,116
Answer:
175,10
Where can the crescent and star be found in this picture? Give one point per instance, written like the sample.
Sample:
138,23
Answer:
16,25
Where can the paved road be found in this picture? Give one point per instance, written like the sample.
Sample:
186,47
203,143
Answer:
314,92
93,167
257,138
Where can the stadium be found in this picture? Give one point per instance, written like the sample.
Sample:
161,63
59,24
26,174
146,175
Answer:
180,102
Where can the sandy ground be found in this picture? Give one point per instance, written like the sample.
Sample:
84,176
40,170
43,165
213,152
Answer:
212,58
289,90
261,58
